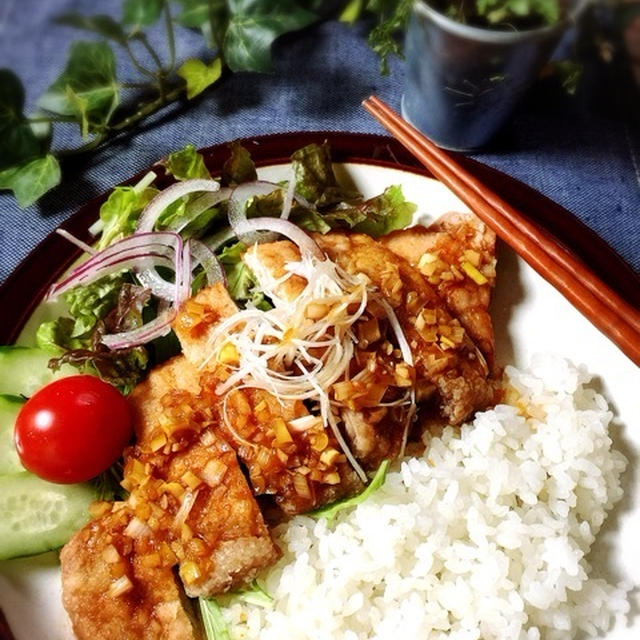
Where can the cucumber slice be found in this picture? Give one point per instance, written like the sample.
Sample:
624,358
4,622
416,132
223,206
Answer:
36,516
23,370
9,459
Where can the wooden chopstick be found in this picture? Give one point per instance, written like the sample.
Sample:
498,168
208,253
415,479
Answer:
610,313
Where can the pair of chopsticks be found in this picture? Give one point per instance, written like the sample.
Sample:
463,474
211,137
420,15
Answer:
600,304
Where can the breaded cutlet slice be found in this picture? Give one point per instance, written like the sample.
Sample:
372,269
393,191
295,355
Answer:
444,354
456,254
110,590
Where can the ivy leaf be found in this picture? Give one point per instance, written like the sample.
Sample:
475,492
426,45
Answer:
141,12
91,75
199,75
18,142
210,16
352,11
80,107
103,25
253,27
32,179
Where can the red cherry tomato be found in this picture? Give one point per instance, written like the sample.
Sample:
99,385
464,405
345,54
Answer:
72,429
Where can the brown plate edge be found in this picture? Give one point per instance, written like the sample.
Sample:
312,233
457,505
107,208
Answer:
29,282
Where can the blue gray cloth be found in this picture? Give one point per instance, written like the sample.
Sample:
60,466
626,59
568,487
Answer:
583,151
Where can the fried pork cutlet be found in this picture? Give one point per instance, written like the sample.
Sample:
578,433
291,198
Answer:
444,355
111,590
197,500
375,429
298,469
457,256
189,507
198,316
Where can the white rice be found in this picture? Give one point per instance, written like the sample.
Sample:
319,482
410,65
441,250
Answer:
483,537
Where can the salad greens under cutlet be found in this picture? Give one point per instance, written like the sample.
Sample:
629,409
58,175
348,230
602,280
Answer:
118,302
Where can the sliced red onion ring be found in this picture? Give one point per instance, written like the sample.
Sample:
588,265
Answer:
236,208
198,206
285,228
288,197
168,196
156,248
183,274
208,260
215,241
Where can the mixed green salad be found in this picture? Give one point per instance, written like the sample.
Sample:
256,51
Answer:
153,249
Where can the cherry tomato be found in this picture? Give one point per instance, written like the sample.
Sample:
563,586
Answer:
73,429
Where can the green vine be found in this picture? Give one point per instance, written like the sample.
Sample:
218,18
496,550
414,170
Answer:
238,35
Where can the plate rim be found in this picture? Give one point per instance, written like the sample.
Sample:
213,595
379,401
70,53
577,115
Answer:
25,287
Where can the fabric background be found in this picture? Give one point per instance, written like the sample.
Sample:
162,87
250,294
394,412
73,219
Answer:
581,151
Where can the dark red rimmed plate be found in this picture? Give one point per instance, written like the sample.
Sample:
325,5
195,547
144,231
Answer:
26,286
529,316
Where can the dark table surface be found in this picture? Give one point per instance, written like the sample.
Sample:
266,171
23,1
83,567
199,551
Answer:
582,151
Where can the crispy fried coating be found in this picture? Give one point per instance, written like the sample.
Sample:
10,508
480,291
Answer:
197,499
189,508
198,316
444,355
146,399
457,256
375,432
99,562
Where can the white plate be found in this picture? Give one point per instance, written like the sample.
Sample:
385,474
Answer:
530,317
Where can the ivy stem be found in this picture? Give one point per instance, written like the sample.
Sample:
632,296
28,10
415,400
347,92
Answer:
138,85
145,43
136,64
148,109
170,36
52,118
113,130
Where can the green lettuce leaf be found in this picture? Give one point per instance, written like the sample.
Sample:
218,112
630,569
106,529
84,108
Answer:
315,179
187,163
109,305
239,166
90,303
386,212
379,215
215,626
331,511
254,594
120,213
54,335
271,204
241,282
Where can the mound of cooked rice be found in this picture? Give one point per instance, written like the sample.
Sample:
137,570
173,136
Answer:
485,536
